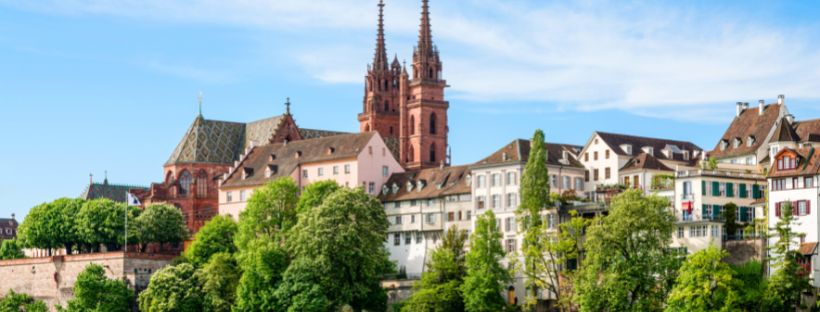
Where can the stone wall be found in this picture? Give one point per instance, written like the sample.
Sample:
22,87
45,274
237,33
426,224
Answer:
741,251
51,279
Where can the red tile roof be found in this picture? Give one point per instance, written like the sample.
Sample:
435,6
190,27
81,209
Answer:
435,182
809,248
519,151
749,124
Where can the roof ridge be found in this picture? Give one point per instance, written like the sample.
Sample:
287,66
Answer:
645,137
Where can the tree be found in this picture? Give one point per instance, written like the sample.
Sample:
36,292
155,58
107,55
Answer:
161,224
730,219
346,234
262,263
216,236
302,287
315,194
270,212
11,249
790,280
565,252
93,291
102,221
219,278
705,283
535,198
438,289
66,213
752,285
485,277
38,229
627,265
16,302
172,288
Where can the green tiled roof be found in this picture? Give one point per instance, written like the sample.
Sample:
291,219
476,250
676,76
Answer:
115,192
221,142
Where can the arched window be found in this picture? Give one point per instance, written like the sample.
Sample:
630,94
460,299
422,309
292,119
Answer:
202,184
366,128
431,73
391,130
411,154
433,153
412,124
185,180
169,177
386,106
433,123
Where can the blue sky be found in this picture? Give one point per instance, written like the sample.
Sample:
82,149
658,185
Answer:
93,85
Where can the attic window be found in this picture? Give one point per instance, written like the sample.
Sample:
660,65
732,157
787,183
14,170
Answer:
395,188
298,154
247,172
627,148
736,143
272,157
724,144
272,169
409,186
504,157
685,155
750,141
385,189
420,185
331,150
649,150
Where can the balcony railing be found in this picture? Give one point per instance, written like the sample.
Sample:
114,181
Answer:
718,173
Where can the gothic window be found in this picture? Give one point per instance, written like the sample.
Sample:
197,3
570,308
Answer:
412,124
433,123
169,177
202,184
411,154
433,152
391,130
386,106
185,180
366,128
431,73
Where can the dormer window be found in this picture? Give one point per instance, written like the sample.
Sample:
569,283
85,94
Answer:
787,163
272,157
723,145
750,141
409,186
247,172
649,150
298,154
419,185
504,157
271,171
736,143
395,188
685,155
385,189
331,150
627,148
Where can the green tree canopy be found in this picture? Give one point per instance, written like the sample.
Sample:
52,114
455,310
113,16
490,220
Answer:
11,249
628,265
219,278
346,234
102,221
93,291
789,280
66,212
302,287
730,219
161,224
439,288
262,262
172,289
705,283
315,194
39,229
216,236
270,212
15,302
752,285
486,276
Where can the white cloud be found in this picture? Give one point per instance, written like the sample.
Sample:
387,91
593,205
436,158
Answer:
643,58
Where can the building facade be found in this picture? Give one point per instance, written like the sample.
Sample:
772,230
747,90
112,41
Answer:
8,228
351,160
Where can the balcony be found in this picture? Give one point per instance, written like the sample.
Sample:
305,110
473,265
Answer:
718,173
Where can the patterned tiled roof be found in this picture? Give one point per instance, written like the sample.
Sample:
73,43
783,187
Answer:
281,159
749,124
435,182
314,133
115,192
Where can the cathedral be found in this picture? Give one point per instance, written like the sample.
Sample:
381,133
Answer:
409,112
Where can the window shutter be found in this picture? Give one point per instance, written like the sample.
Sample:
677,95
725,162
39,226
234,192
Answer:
794,209
716,212
777,210
715,188
703,187
703,214
808,207
730,190
744,193
755,191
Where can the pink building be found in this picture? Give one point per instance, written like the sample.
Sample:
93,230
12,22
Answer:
352,160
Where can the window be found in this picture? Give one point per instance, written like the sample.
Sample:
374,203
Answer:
586,175
715,230
594,155
412,124
371,187
510,178
408,238
385,171
550,221
553,180
606,154
229,196
460,215
398,220
451,216
202,184
586,156
512,200
510,245
595,174
431,218
370,150
802,209
347,169
495,179
809,182
567,182
480,202
480,181
396,239
579,184
433,123
320,171
414,203
607,173
469,215
496,203
680,232
185,180
305,173
419,237
397,204
335,170
433,153
412,219
242,195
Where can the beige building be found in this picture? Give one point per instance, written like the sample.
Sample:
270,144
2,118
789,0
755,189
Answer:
352,160
420,206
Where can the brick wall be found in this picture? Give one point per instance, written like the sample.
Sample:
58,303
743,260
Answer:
51,279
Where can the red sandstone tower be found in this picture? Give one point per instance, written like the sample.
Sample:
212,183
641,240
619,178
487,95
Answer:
409,112
423,138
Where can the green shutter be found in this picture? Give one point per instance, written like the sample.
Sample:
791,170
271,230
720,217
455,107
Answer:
742,214
756,191
715,188
703,214
716,212
703,187
730,190
744,193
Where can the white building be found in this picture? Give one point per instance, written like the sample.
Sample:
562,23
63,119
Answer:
421,205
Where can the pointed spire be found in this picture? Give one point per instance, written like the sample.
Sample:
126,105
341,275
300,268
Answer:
287,106
380,59
425,45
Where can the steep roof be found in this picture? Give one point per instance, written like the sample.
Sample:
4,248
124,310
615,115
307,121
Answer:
614,141
808,248
435,182
645,161
808,130
749,124
315,133
785,132
808,163
281,158
8,222
115,192
519,151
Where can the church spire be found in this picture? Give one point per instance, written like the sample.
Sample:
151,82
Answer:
380,59
425,45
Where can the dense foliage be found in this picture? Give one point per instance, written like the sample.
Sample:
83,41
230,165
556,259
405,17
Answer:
219,278
11,249
486,276
102,222
214,237
172,289
789,281
439,288
93,291
161,224
14,302
705,283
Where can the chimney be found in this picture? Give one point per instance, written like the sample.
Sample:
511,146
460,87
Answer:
13,217
790,118
738,109
761,105
781,99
